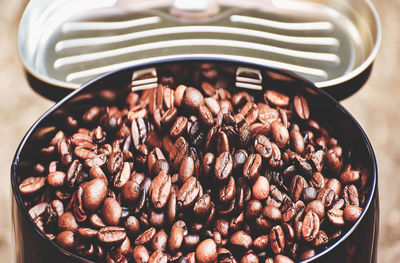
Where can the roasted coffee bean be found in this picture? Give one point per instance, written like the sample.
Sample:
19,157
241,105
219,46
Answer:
94,193
158,257
277,239
111,234
227,191
206,251
32,185
253,209
160,190
176,236
130,191
252,166
179,127
67,222
335,216
66,239
282,259
261,188
111,211
122,176
351,213
178,152
159,241
309,194
321,239
317,207
56,178
145,237
188,193
279,134
206,116
272,213
192,98
350,195
326,196
276,98
263,146
140,254
311,224
301,107
223,166
241,240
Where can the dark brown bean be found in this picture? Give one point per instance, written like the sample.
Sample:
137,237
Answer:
301,107
32,185
160,189
206,251
111,211
252,166
241,239
223,166
188,193
280,134
311,224
111,234
277,239
351,213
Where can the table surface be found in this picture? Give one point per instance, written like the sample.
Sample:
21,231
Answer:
375,106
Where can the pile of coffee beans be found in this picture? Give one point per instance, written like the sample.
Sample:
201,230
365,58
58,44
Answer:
195,174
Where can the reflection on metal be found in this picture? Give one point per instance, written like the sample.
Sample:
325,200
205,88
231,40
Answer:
144,79
68,42
248,78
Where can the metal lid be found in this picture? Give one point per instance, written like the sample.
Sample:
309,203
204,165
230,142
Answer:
65,43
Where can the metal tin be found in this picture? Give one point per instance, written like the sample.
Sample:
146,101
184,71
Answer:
358,243
64,43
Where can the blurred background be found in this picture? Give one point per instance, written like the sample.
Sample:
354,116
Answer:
375,106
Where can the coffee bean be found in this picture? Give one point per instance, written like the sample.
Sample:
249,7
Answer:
160,190
32,185
253,209
188,193
350,195
277,239
351,213
140,254
94,193
111,211
282,259
301,107
335,216
263,146
311,224
175,239
193,98
111,234
276,98
206,251
227,191
159,241
272,213
261,188
158,257
252,166
241,240
66,239
145,237
223,166
280,134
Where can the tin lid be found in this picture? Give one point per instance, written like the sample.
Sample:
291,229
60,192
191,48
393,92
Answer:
65,43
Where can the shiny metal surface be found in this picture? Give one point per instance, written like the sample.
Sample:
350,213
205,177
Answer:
68,42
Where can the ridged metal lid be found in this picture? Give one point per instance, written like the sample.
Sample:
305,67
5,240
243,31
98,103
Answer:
68,42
